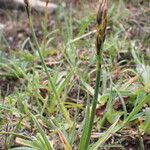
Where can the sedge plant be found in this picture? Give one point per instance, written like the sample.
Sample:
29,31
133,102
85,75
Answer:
100,38
62,108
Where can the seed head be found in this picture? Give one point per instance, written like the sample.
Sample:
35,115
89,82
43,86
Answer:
101,24
27,6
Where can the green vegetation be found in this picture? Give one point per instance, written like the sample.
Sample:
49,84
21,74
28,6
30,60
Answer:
48,96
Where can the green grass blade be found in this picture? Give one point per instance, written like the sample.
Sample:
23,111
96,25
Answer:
138,107
52,85
112,129
60,88
85,129
22,148
46,140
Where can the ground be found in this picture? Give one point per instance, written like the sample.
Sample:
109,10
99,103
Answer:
28,101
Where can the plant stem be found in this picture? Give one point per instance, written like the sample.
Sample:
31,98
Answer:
100,38
95,99
62,108
60,103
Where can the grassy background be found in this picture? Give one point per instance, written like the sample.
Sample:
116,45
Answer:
31,109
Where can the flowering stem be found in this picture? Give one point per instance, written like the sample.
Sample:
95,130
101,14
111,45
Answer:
52,85
100,38
95,99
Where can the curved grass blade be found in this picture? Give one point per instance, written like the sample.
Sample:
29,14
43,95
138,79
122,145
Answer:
41,131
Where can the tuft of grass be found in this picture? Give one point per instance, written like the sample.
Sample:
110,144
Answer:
56,104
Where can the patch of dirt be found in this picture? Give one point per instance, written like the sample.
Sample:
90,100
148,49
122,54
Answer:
7,86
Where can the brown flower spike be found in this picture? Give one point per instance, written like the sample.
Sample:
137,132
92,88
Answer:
101,25
27,6
100,37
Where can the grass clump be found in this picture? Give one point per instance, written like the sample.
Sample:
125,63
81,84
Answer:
49,98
